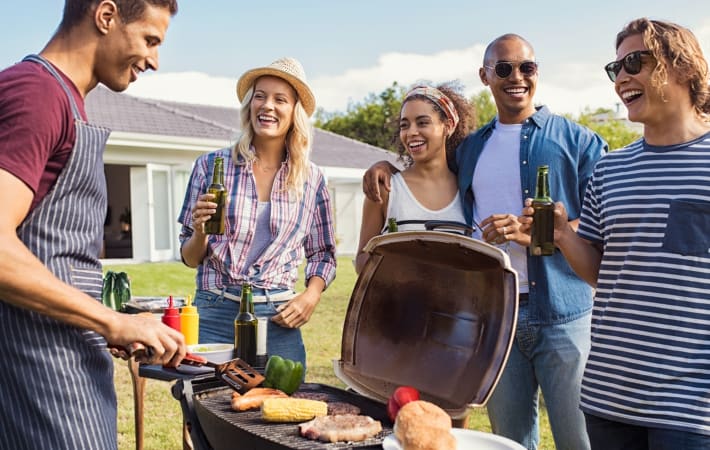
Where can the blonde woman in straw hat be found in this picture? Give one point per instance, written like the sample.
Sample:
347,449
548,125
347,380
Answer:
278,211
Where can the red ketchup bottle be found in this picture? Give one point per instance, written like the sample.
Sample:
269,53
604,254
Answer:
171,315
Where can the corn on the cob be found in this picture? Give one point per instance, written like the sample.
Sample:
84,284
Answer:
292,409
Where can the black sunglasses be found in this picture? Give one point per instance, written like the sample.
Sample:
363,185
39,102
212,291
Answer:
503,69
631,64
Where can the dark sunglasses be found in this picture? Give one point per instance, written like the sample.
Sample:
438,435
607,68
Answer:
631,64
503,69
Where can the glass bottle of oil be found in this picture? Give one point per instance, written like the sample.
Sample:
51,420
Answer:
245,327
543,228
215,225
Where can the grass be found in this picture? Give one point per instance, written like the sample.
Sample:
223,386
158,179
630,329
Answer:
162,414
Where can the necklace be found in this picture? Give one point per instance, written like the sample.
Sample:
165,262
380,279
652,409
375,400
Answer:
263,168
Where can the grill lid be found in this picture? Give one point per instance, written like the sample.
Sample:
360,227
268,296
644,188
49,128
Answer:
432,310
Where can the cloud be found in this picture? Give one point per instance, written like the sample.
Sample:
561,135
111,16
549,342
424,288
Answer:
188,87
568,87
335,92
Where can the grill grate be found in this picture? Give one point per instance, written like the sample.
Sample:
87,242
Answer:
226,428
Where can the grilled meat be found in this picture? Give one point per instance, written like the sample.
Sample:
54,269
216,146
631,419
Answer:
346,427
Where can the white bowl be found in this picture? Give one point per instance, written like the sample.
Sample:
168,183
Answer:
466,440
216,353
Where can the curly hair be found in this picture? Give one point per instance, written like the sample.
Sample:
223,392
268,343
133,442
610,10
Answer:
675,49
129,10
298,143
467,121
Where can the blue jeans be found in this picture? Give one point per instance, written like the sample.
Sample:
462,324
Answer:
217,315
612,435
551,358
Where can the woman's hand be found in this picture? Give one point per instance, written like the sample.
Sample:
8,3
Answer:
297,311
202,212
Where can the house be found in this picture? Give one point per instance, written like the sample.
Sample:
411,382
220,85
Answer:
149,156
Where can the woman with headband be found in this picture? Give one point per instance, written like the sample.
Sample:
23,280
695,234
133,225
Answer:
433,121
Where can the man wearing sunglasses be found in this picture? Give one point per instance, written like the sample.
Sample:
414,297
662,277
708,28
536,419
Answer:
644,243
496,171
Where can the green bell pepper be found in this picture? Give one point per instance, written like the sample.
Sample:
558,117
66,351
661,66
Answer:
283,374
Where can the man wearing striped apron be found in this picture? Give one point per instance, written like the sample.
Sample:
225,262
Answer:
56,375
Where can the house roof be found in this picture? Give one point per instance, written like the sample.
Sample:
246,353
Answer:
122,112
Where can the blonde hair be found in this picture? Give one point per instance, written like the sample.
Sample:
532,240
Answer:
298,143
676,49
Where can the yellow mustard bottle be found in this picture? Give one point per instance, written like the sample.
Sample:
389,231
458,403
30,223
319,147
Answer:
190,322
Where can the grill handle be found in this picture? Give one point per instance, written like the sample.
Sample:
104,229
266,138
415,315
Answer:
432,225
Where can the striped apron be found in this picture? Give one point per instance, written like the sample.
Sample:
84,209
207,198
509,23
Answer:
56,381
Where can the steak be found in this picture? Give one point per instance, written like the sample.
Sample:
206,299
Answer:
311,395
346,427
340,408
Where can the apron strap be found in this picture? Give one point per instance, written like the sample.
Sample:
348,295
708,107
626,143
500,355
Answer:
50,68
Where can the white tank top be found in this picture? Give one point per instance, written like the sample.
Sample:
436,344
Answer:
402,205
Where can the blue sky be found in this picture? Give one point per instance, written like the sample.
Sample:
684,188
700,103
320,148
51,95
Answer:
352,48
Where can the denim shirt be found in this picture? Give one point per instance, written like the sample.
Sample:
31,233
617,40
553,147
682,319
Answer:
556,294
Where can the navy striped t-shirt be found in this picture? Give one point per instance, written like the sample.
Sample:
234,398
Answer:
650,359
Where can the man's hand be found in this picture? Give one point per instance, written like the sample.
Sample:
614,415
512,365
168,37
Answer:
562,223
380,173
167,346
501,228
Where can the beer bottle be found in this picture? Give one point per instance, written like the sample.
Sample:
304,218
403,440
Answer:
245,328
391,225
542,234
215,225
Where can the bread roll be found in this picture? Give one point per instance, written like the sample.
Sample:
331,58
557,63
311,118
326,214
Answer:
422,425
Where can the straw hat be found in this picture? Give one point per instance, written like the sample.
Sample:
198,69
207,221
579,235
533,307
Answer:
288,69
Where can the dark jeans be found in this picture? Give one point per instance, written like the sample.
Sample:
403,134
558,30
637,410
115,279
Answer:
611,435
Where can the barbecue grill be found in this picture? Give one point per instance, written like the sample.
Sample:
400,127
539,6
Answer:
430,309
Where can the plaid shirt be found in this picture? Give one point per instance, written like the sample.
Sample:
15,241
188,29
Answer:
297,228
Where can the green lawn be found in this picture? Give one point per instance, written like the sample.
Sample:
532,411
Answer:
163,418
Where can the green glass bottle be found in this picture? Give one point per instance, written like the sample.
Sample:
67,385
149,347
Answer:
245,328
215,225
391,225
542,239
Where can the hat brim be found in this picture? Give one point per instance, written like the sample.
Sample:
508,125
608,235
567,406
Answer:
305,95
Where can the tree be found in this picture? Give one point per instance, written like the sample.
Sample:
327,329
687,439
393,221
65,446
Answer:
485,107
603,121
375,120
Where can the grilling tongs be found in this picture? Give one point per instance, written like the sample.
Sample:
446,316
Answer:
236,373
239,375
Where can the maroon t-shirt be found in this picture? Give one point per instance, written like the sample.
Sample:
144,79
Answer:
37,130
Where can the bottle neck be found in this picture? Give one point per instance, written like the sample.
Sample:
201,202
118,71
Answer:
218,172
542,190
246,300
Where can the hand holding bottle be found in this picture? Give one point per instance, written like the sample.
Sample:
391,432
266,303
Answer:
561,220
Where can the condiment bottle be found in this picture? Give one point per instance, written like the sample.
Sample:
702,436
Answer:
171,315
215,224
542,233
189,322
245,328
261,336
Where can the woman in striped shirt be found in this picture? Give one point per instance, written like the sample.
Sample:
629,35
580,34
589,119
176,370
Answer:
278,211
